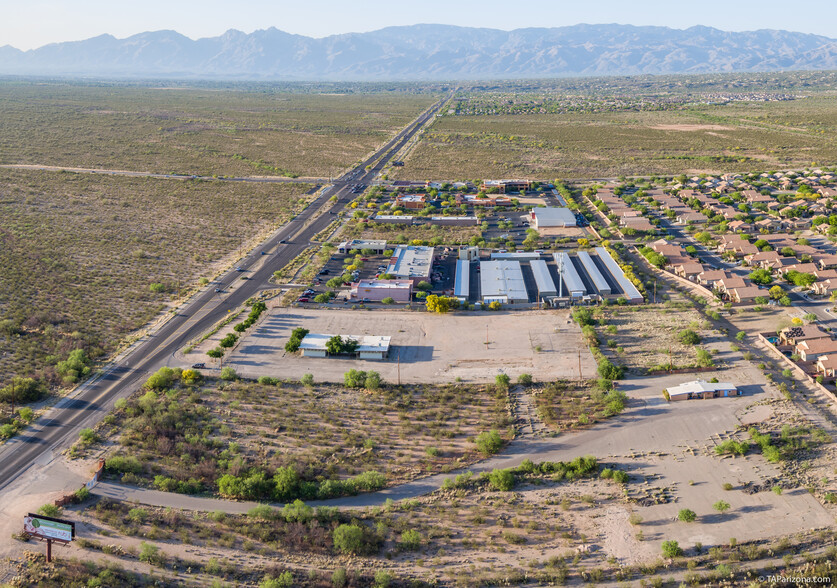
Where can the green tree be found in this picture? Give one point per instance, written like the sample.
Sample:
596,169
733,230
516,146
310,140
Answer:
776,292
761,276
23,390
228,373
74,367
489,442
372,381
671,549
354,378
721,506
334,345
502,381
307,380
687,515
410,540
348,539
502,480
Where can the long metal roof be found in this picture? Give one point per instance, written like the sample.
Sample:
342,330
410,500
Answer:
546,286
411,261
631,292
596,276
554,217
502,278
462,283
571,281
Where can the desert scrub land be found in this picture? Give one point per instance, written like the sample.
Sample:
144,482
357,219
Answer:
224,130
565,406
86,259
431,234
550,523
281,441
736,137
653,336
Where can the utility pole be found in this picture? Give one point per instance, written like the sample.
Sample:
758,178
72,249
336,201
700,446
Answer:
580,378
13,397
399,367
655,291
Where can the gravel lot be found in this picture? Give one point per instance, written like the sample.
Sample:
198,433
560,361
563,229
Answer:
432,348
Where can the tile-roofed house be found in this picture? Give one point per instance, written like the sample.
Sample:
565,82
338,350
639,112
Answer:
824,287
811,349
827,365
708,278
797,334
727,284
689,270
740,226
746,294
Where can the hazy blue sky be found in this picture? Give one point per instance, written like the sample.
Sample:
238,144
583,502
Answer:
31,23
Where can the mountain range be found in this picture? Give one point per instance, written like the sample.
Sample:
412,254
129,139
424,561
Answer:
428,52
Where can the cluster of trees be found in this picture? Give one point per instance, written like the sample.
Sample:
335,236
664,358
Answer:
297,335
370,380
800,278
441,304
287,485
654,258
255,312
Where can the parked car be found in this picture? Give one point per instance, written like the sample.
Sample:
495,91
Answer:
198,366
302,299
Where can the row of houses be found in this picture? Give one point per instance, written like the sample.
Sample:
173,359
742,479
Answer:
814,345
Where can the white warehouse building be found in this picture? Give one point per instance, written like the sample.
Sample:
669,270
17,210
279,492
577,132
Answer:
552,217
502,281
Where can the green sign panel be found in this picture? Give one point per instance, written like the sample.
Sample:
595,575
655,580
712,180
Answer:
48,528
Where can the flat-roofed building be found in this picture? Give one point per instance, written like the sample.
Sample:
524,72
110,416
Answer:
411,262
552,217
543,279
701,389
569,282
599,282
629,291
378,290
405,219
505,186
378,246
369,346
462,282
518,255
502,281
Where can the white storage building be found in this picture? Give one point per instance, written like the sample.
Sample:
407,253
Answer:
552,217
371,346
502,281
543,279
462,282
630,291
570,284
601,285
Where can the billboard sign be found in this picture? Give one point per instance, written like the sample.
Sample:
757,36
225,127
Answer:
49,528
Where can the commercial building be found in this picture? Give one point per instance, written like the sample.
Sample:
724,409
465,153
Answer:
377,290
370,346
411,262
376,245
518,255
570,283
399,219
502,281
590,268
701,389
552,217
462,282
458,221
543,279
505,186
629,291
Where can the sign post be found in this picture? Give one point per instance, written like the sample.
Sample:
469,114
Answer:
48,529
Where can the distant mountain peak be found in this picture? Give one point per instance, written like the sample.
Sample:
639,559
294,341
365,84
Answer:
428,51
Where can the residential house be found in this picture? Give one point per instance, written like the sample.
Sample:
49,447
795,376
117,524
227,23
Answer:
810,350
690,270
746,294
710,277
725,285
740,227
827,365
797,334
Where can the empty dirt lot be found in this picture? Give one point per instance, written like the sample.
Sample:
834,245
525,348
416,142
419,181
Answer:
432,348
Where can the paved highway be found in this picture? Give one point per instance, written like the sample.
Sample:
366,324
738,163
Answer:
60,427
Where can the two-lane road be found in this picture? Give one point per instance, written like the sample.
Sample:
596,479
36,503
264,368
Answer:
61,425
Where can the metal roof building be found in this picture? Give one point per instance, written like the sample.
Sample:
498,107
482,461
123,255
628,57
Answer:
543,279
411,262
631,292
462,283
553,217
502,281
596,276
515,255
371,346
376,245
702,389
571,283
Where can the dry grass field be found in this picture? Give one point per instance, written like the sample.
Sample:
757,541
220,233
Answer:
324,432
219,131
443,234
78,254
739,137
